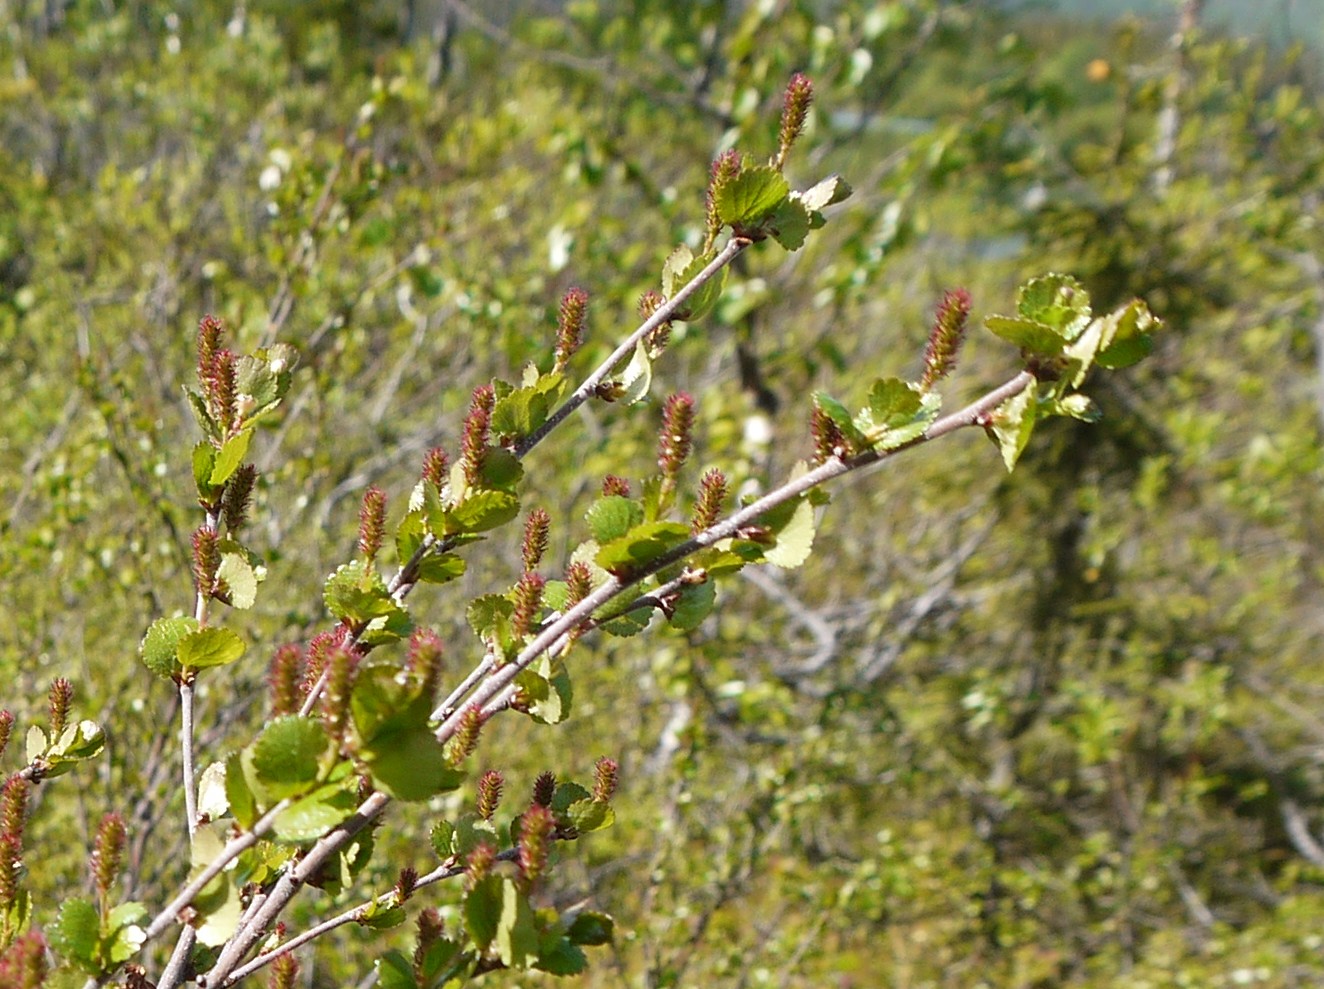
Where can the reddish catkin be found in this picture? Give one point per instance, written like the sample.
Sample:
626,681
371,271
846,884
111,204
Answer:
435,463
946,337
604,779
795,109
61,698
570,326
6,730
544,788
372,522
107,853
536,529
477,430
676,435
535,843
284,678
708,505
490,785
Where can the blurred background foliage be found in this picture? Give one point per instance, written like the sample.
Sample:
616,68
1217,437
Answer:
1056,729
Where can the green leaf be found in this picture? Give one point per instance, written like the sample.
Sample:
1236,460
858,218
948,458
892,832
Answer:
482,510
590,815
520,412
160,646
558,956
516,936
832,190
76,934
680,269
125,935
1078,406
753,195
898,413
637,377
77,742
441,568
790,224
547,690
795,537
489,617
241,571
391,627
395,971
592,928
640,546
204,462
612,517
482,910
288,755
1056,301
230,456
316,813
238,793
411,765
459,839
381,917
501,470
213,646
1013,422
205,422
356,593
1133,339
385,699
1031,336
695,603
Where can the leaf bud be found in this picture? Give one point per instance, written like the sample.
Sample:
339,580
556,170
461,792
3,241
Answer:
372,522
604,779
949,325
435,463
535,843
477,428
795,108
489,793
237,497
284,678
570,326
61,699
544,787
107,853
708,506
536,529
615,485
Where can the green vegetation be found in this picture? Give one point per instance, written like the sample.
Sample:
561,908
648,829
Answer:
1056,727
